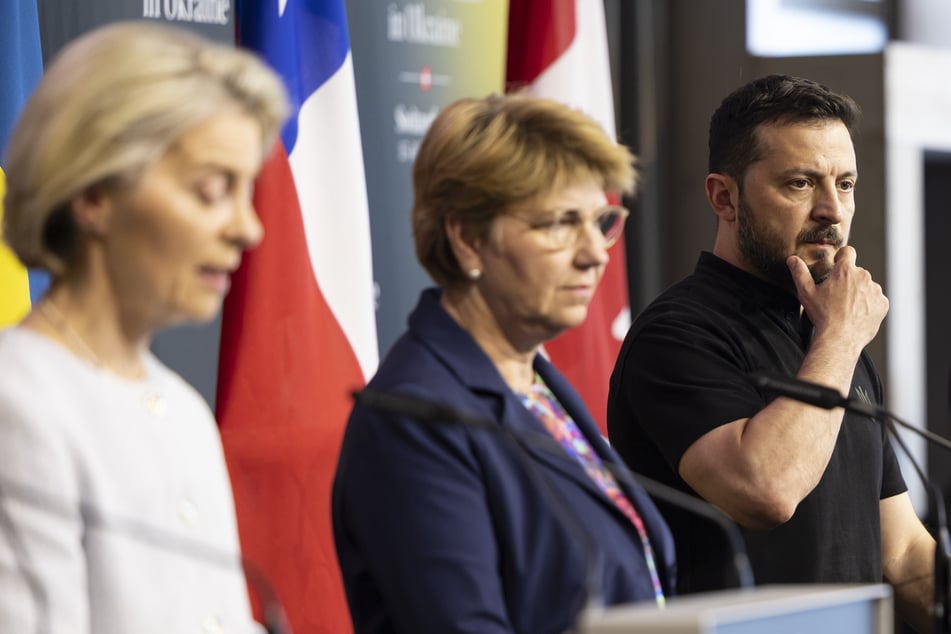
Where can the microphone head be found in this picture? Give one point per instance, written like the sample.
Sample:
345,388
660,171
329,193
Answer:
797,389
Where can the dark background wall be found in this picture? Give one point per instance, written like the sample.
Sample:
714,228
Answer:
937,204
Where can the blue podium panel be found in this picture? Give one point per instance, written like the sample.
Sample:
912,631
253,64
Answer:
793,609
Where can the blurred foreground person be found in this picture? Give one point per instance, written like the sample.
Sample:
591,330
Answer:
129,179
448,528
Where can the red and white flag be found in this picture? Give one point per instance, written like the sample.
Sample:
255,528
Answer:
299,331
558,49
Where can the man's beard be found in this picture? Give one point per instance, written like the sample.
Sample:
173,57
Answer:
765,253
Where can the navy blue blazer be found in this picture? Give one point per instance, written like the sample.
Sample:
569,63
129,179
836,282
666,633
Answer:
442,529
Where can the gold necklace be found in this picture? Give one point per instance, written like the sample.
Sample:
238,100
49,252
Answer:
52,314
75,341
151,400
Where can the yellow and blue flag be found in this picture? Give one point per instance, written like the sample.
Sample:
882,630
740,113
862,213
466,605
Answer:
21,61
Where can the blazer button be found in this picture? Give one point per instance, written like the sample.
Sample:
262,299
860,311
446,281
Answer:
187,512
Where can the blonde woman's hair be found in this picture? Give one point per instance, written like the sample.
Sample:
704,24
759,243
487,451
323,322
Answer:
111,103
481,157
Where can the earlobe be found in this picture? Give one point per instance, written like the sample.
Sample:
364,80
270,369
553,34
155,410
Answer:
464,246
723,195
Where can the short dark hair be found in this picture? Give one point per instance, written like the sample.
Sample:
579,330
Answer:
779,99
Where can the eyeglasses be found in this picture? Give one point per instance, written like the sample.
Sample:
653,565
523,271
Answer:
562,229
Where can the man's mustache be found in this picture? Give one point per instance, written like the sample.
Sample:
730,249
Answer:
830,235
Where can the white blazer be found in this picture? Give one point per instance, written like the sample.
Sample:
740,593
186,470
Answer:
116,513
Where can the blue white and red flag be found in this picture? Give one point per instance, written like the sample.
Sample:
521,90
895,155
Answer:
298,331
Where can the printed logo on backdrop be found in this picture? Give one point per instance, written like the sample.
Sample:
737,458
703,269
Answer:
410,124
194,11
412,57
411,24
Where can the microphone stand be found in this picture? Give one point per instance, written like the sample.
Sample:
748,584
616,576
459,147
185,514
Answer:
942,599
830,398
741,561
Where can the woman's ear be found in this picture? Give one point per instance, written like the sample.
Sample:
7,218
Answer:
92,210
723,195
465,246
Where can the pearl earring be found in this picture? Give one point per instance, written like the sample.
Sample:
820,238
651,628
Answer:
474,274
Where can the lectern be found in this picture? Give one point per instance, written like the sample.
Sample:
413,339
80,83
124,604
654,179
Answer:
780,609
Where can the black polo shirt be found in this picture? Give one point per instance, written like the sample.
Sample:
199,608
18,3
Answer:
682,371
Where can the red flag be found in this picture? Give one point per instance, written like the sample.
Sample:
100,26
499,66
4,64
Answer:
558,49
298,331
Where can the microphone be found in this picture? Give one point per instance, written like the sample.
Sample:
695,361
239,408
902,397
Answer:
829,398
433,412
811,393
275,621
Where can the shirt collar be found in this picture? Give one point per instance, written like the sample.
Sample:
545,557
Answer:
754,292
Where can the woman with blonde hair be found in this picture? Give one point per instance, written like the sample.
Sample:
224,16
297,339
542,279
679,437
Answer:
129,179
455,528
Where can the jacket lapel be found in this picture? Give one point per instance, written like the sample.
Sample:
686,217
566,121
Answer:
573,404
463,357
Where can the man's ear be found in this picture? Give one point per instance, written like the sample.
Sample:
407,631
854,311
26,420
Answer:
465,246
92,210
723,195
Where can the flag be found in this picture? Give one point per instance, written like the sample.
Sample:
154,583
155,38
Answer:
558,49
298,327
22,60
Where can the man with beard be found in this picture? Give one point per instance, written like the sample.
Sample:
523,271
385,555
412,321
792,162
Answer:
818,493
